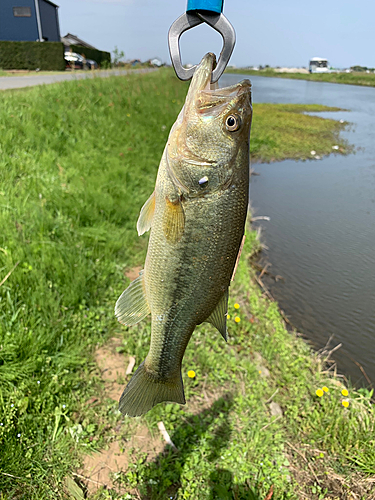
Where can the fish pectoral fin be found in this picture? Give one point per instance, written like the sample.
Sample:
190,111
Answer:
173,220
132,305
146,215
218,317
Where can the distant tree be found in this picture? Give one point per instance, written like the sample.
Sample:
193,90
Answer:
358,68
117,55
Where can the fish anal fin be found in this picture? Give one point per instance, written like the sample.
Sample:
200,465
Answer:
144,391
218,317
146,215
173,220
132,305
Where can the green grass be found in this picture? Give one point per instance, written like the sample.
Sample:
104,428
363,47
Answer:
229,446
355,78
15,72
282,131
77,162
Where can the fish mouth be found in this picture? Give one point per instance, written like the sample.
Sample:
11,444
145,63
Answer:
238,93
203,94
202,78
202,75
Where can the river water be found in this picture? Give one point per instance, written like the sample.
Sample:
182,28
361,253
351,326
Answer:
321,233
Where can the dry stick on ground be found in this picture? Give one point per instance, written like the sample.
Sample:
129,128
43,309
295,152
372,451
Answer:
166,436
87,479
305,459
270,493
10,272
270,423
271,398
131,364
258,267
362,370
11,475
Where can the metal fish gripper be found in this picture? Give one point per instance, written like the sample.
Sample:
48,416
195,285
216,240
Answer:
198,12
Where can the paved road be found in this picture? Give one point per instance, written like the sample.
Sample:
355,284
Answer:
18,82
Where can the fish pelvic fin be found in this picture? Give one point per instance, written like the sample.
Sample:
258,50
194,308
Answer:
132,305
144,391
146,215
218,317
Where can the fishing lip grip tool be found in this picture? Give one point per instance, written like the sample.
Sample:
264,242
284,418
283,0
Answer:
198,12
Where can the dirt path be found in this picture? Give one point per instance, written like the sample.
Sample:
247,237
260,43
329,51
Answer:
17,82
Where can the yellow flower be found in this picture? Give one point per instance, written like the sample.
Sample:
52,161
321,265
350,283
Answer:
228,316
191,374
325,389
319,393
236,306
345,403
237,319
345,392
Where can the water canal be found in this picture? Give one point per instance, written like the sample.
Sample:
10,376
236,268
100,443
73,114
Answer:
321,233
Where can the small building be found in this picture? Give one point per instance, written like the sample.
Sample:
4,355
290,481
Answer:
29,21
156,62
70,39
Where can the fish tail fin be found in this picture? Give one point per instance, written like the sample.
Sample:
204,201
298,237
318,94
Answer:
143,392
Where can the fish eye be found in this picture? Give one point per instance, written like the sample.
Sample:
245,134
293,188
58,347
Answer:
232,123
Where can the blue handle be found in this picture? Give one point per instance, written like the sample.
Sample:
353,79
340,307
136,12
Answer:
207,5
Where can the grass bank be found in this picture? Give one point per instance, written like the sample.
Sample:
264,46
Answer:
355,78
78,160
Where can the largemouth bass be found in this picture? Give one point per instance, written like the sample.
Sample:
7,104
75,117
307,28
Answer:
197,218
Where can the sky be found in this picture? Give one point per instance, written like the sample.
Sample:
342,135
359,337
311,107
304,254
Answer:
274,32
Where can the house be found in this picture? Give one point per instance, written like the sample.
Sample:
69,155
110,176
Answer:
70,39
29,21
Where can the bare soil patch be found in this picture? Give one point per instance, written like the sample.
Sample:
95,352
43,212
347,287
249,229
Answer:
98,469
133,273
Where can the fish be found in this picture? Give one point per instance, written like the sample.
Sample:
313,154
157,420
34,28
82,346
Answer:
196,217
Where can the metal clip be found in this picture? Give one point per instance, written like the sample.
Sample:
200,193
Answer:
191,19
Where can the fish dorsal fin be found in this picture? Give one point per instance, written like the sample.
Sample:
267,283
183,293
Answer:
146,215
132,305
218,317
173,220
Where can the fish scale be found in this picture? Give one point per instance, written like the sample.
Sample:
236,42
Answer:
196,233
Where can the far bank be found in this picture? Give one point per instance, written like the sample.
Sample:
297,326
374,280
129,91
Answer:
354,78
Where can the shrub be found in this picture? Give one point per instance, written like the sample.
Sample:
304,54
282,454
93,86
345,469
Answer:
32,55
